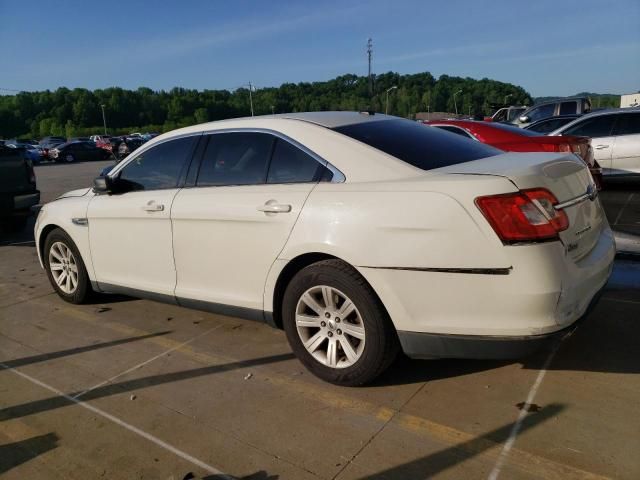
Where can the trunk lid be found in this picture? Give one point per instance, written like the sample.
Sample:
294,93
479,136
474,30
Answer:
564,175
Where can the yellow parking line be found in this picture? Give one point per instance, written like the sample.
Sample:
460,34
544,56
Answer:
528,462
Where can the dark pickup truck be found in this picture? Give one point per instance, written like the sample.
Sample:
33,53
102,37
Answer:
18,192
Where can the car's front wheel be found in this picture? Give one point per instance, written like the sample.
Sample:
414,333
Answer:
65,268
336,325
69,158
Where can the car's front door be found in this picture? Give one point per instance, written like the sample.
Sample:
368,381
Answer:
600,129
130,232
626,150
229,229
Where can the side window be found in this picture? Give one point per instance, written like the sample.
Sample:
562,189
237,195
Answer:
159,167
456,130
236,158
289,164
628,124
568,108
541,112
599,126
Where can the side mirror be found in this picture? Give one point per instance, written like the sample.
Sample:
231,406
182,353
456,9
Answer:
524,119
103,184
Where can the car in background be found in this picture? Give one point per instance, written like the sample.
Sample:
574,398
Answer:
359,234
548,125
18,192
513,139
506,114
127,145
553,108
615,136
50,142
78,151
34,153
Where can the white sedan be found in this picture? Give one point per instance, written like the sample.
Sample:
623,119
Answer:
358,234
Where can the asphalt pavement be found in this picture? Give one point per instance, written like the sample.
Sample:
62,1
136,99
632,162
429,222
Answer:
128,388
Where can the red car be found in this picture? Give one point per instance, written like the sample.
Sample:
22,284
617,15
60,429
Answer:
514,139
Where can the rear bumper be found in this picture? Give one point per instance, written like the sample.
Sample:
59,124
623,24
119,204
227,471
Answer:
429,345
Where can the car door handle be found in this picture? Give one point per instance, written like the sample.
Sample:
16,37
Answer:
601,147
274,208
153,207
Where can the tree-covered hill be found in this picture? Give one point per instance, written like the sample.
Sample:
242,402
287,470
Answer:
74,112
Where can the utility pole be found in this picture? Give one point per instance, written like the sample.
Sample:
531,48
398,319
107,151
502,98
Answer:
251,98
104,120
454,100
369,53
386,110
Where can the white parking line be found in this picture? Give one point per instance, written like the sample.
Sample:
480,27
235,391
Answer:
140,365
511,440
185,456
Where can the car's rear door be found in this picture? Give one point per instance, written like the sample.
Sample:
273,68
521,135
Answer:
130,233
230,227
600,129
625,157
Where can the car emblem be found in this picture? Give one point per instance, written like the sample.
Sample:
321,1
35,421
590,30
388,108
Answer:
592,192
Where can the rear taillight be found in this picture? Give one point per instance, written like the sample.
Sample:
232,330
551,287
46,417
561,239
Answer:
525,216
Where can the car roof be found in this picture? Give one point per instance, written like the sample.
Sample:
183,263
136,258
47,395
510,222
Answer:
334,119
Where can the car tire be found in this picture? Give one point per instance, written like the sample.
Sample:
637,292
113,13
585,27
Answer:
59,248
69,158
367,354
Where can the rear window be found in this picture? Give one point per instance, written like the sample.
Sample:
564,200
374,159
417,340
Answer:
419,145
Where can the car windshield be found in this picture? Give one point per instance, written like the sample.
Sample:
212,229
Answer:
414,143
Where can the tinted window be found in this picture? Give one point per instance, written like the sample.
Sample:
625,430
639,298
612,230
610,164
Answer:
456,130
628,124
236,159
417,144
541,112
159,167
567,108
289,164
599,126
549,125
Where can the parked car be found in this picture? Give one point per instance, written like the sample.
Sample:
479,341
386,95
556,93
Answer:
514,139
359,234
18,192
78,151
50,142
79,139
35,154
506,114
548,125
128,145
563,106
615,138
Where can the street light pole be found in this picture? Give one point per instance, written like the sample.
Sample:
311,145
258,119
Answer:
251,98
386,110
104,120
506,97
454,100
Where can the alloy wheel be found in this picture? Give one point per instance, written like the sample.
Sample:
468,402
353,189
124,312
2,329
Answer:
330,326
64,268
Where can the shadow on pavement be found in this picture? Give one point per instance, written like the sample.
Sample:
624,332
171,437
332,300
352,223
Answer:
52,403
432,464
21,362
17,453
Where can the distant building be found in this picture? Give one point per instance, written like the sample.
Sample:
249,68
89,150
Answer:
630,100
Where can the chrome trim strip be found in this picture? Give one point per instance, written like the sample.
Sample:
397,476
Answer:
83,222
474,271
590,194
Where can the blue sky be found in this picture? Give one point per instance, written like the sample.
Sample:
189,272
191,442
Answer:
556,47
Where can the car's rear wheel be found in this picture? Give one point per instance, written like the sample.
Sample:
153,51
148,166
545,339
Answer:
65,268
336,325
